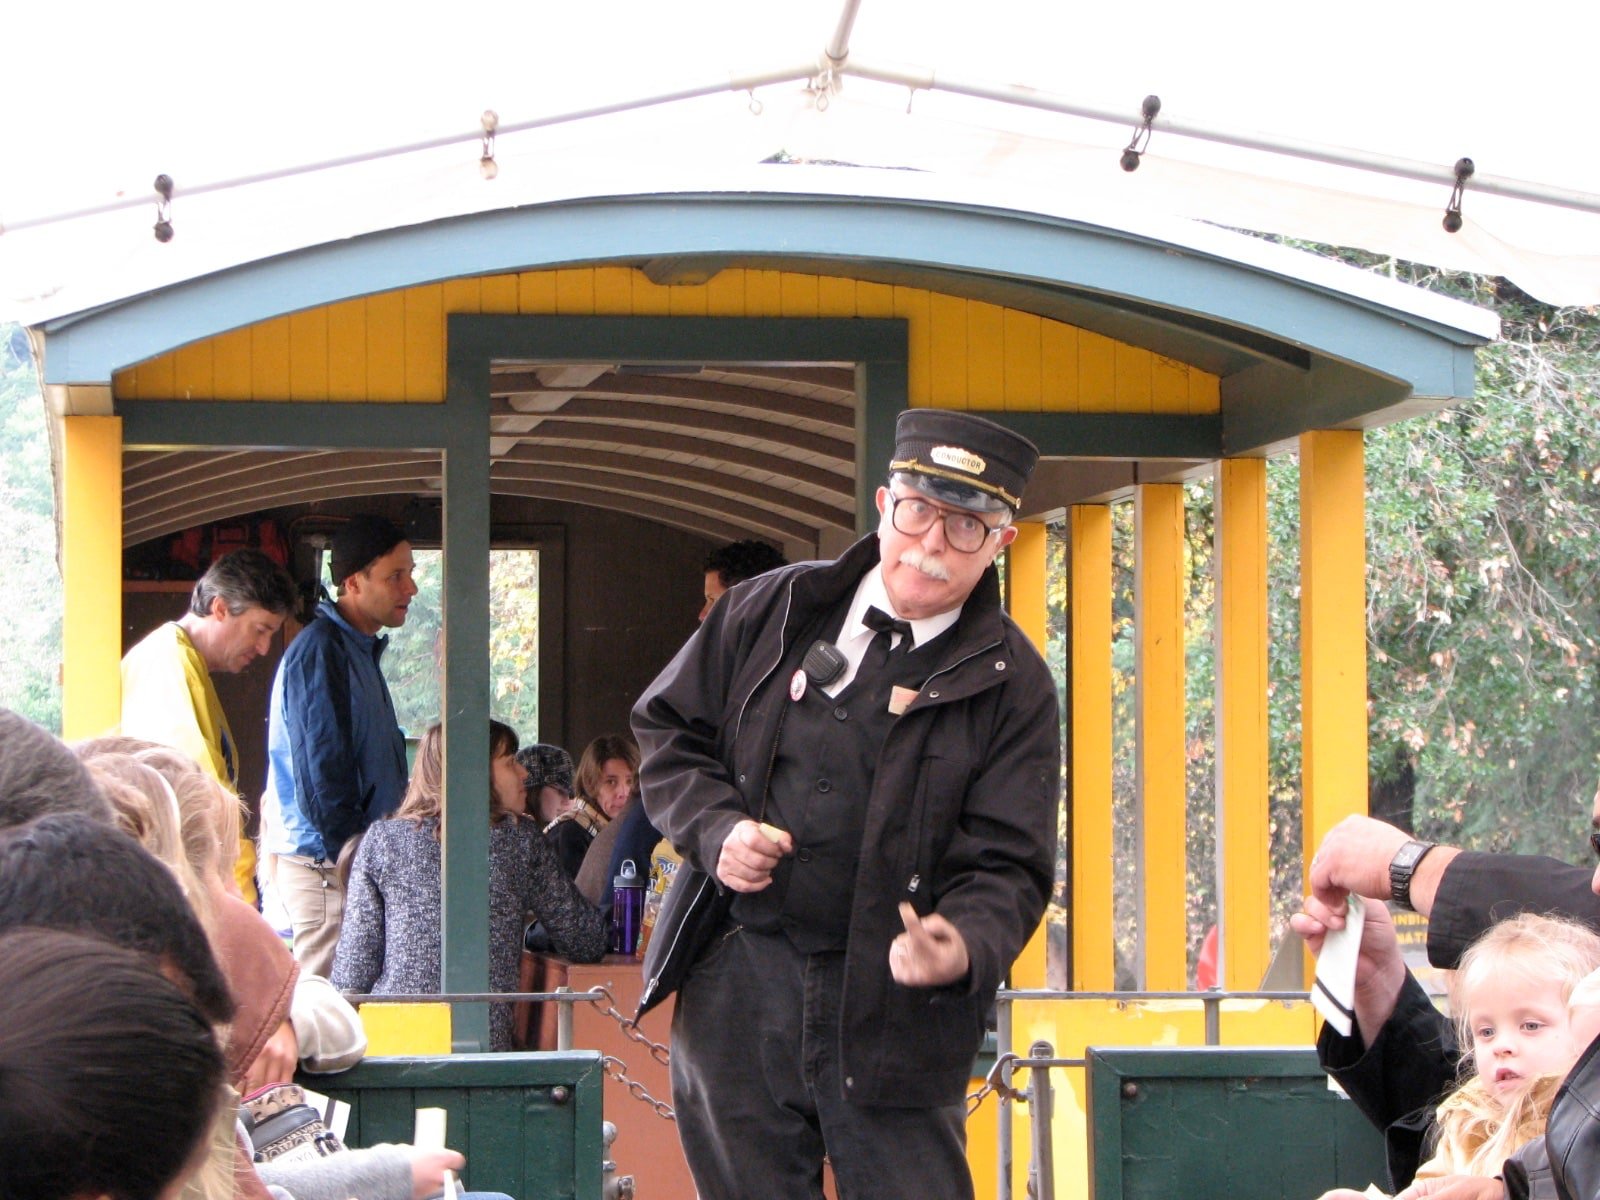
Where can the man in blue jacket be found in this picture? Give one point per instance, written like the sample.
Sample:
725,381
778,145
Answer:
336,758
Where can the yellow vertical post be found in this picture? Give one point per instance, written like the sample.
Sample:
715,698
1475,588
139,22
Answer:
1026,573
1089,711
1243,858
1158,629
1333,633
91,575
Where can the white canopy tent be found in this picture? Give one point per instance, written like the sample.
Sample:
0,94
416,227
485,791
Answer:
1338,126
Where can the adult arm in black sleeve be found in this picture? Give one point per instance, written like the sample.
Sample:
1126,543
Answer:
1477,890
1398,1080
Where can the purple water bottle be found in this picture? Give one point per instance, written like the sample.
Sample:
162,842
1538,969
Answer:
627,909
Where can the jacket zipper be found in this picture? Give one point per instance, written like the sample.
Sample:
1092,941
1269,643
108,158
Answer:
738,726
915,882
672,948
788,603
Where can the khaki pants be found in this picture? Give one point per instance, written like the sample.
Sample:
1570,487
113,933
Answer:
311,895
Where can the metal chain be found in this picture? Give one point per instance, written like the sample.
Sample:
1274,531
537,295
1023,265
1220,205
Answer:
630,1027
616,1069
606,1003
995,1083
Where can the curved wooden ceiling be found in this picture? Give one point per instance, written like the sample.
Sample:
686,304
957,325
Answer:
731,451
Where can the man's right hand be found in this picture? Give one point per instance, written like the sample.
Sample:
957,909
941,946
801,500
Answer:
1380,967
750,852
428,1168
1354,857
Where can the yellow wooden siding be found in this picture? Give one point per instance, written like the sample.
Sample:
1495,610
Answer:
1333,633
1027,603
269,360
91,569
391,346
1242,726
308,355
385,347
347,369
1159,679
1089,703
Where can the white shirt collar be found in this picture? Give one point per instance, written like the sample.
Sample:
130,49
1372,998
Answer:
871,593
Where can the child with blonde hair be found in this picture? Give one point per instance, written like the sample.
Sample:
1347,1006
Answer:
1509,999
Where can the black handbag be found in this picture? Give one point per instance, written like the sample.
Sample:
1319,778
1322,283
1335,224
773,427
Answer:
282,1125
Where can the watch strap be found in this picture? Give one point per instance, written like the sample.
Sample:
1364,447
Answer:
1402,866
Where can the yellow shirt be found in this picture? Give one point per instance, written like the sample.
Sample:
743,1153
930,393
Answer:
168,698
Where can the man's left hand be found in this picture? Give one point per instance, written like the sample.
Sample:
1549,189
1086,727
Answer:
930,953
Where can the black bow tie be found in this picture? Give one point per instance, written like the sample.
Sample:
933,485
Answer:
878,620
878,653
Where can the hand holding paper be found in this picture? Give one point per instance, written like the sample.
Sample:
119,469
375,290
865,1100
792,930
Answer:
1334,990
431,1161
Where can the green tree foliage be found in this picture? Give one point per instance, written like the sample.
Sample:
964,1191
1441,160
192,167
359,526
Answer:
1484,551
414,662
30,620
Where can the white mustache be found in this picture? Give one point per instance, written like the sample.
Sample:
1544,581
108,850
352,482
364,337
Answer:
931,566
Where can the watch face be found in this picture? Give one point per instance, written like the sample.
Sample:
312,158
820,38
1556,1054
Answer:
1408,854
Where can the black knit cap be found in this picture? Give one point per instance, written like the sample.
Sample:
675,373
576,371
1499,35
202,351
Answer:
360,541
966,460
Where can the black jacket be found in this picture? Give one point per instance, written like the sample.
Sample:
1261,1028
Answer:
1477,890
961,818
1572,1132
1399,1080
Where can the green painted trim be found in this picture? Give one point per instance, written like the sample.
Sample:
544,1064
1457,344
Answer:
686,339
1141,1137
1117,435
884,390
474,341
1268,405
464,696
282,425
541,1068
501,1116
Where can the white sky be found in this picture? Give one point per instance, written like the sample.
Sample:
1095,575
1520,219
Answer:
94,102
103,99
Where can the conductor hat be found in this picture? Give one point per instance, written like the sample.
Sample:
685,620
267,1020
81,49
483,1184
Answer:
962,459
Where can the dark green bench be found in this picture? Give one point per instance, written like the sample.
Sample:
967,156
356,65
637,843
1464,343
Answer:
1245,1124
529,1124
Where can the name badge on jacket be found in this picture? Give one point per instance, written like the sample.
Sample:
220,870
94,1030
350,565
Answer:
900,699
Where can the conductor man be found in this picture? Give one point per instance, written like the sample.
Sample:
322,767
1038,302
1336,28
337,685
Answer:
860,763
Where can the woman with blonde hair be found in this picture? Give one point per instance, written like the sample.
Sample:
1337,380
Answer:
390,941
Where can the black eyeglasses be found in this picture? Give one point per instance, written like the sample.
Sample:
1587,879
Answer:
914,516
1594,841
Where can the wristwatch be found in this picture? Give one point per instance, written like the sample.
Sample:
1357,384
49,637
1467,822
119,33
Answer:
1401,867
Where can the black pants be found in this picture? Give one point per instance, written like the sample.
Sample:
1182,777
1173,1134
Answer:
755,1082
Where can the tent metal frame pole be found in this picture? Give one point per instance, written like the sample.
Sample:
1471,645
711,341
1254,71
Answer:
732,83
922,79
836,61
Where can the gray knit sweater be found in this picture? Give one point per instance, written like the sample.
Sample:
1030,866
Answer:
390,941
